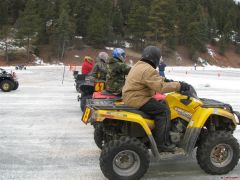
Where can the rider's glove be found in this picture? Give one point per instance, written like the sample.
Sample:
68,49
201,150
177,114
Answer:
168,80
184,86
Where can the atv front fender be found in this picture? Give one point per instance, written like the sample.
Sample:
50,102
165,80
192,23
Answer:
201,116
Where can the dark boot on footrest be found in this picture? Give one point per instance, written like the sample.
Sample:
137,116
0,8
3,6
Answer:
166,148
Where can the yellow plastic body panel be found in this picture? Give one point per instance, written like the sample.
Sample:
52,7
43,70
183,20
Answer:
196,115
146,124
201,115
173,100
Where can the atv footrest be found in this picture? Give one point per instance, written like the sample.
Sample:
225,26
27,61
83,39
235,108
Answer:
179,152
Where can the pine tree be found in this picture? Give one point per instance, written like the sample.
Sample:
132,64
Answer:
64,29
28,24
5,34
137,24
98,25
163,20
97,30
3,13
117,22
83,9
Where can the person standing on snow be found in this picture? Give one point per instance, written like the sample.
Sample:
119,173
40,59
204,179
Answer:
117,69
161,68
142,82
100,70
87,65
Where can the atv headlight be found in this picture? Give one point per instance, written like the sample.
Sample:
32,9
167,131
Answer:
236,115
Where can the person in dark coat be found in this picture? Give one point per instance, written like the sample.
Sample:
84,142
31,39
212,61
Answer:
161,68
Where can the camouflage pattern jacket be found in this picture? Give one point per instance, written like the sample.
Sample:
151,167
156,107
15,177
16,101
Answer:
116,72
99,70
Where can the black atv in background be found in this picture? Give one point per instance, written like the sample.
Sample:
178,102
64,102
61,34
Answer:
8,81
86,85
79,79
20,67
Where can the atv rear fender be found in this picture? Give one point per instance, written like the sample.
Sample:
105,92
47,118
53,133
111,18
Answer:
146,124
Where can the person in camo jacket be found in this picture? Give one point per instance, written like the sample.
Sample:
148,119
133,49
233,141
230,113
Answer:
100,67
117,69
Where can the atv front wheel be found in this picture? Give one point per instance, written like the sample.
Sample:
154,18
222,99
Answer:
218,153
6,85
123,159
99,136
84,101
16,85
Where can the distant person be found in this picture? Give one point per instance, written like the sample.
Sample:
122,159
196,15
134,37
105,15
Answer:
161,68
195,66
100,67
117,69
87,65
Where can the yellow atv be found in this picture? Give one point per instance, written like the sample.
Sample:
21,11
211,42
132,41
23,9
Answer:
205,124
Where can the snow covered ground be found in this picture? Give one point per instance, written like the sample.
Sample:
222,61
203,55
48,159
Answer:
41,136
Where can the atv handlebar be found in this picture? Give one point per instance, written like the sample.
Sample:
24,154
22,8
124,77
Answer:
190,93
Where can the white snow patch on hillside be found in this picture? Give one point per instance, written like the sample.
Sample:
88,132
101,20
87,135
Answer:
211,52
203,61
237,1
109,48
11,45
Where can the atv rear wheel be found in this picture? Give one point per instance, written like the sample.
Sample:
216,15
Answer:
84,101
6,85
16,85
99,136
218,153
123,159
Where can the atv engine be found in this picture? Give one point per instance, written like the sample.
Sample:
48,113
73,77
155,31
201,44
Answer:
178,128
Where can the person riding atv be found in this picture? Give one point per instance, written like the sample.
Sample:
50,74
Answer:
99,70
117,69
87,65
95,81
196,123
142,82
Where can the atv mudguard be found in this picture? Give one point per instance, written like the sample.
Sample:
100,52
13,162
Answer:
201,116
198,120
146,124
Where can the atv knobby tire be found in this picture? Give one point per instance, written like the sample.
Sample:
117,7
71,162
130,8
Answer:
6,85
218,153
16,85
124,159
84,101
99,136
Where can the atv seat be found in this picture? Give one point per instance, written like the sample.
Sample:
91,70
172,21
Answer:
105,95
136,111
105,92
80,77
108,104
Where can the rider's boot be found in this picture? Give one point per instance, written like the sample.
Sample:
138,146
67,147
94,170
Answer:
162,136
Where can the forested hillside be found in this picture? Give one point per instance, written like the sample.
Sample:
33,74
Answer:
64,24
